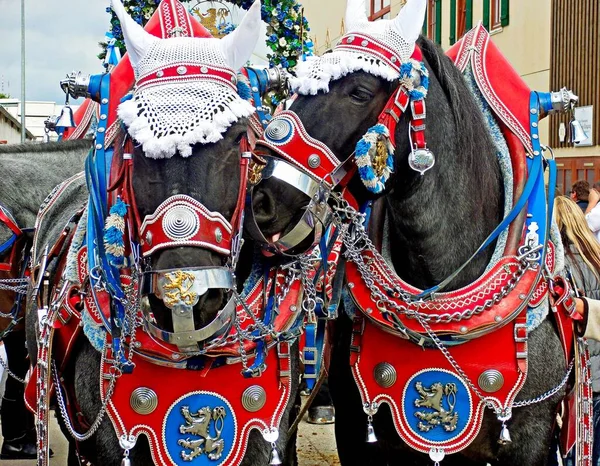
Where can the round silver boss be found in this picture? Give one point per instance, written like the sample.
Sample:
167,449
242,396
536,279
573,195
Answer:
385,374
314,161
278,130
180,223
254,398
143,400
491,381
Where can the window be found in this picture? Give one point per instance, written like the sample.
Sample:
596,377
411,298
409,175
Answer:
461,18
380,9
434,20
496,20
495,14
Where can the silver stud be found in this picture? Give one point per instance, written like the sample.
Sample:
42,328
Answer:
463,329
255,89
104,101
498,319
234,80
385,374
218,235
204,69
143,400
533,111
522,297
181,70
369,310
535,136
160,73
103,117
293,308
491,381
254,398
535,125
536,152
394,59
350,285
98,146
101,129
350,39
364,43
314,161
149,238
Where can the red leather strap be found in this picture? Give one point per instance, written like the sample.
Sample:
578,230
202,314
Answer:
520,334
183,72
10,223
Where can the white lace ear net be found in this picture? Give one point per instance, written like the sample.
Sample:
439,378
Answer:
316,73
173,114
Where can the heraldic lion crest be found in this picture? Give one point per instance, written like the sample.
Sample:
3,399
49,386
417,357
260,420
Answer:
433,398
198,424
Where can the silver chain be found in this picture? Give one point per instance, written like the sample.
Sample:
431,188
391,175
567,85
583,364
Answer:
357,241
18,285
9,372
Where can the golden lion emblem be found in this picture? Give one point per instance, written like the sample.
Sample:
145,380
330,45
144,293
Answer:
432,398
198,424
178,289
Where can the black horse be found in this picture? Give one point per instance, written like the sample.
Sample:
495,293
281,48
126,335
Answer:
436,221
207,173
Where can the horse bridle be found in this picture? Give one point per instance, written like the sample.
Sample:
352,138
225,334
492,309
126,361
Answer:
181,221
310,166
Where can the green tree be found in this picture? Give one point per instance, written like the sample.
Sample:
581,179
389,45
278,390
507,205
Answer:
4,96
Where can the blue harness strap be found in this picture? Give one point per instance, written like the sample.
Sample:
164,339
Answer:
259,83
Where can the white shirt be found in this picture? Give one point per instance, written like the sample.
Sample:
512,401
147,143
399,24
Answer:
593,220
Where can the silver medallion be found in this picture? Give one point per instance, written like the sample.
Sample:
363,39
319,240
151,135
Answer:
143,400
180,223
254,398
491,381
385,374
421,160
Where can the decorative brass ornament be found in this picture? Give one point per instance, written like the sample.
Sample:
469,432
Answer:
385,374
143,400
255,172
254,398
178,289
432,398
491,381
381,155
198,425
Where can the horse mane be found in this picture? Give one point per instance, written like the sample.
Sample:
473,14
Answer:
59,146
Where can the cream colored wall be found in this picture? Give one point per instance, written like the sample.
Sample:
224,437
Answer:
525,41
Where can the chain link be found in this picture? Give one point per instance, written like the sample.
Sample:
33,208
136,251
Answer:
9,372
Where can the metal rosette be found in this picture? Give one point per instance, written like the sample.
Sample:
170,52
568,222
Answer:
279,131
180,223
491,381
385,374
254,398
143,400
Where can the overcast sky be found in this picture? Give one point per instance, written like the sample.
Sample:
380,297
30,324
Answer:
61,36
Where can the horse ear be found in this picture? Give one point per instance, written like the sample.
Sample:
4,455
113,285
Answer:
409,21
137,40
239,45
356,13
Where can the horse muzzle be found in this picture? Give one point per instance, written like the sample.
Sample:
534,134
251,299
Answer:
180,290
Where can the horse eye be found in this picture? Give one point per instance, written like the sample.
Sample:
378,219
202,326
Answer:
361,95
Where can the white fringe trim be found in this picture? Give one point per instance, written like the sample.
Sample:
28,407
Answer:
167,146
315,74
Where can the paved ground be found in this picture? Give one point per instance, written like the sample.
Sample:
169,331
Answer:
316,447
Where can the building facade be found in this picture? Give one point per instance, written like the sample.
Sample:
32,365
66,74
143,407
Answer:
10,129
35,115
551,44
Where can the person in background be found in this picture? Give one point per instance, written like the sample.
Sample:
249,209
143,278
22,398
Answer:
580,193
594,197
582,260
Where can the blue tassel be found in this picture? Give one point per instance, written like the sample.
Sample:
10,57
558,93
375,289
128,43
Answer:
114,231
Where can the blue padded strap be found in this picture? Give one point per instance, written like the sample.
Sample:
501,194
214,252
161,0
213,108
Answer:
261,349
258,86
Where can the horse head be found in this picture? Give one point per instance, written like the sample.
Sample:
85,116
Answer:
339,97
188,126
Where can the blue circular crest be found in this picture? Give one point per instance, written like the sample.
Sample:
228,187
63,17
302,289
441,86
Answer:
437,405
279,131
200,429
